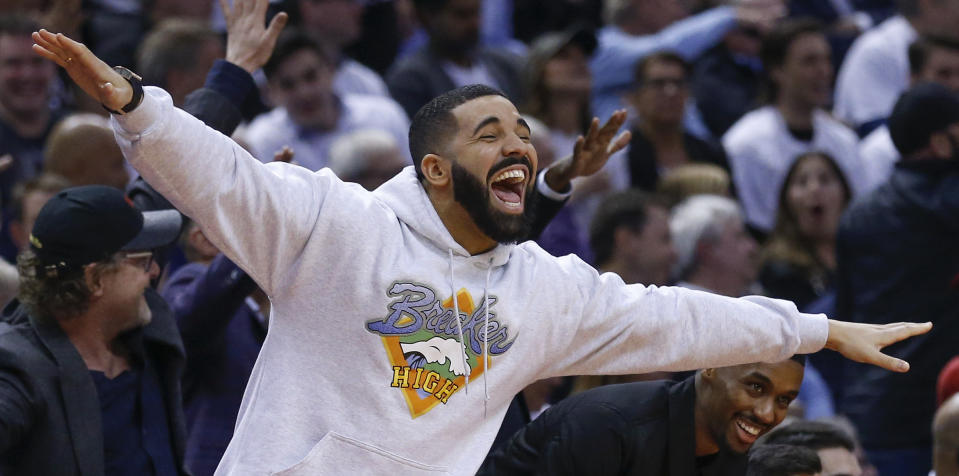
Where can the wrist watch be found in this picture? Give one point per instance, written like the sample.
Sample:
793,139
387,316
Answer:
135,82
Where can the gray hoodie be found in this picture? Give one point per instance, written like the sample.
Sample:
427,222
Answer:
362,371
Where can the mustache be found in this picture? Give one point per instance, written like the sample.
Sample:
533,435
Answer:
509,162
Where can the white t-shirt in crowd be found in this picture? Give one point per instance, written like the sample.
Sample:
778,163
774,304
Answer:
761,149
476,74
874,73
354,78
269,132
879,156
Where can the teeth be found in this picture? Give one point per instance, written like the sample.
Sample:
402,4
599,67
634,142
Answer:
752,430
513,176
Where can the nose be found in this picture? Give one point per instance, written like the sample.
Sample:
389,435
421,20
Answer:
513,146
765,411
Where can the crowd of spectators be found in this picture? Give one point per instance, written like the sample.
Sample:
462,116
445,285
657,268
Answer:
762,160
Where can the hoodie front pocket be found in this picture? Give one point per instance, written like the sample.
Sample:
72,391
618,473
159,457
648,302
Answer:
336,454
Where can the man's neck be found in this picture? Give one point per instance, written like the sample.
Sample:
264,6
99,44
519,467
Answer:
29,125
96,344
461,58
717,282
665,135
565,113
798,115
705,443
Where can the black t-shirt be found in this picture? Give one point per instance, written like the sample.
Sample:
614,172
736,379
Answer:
136,434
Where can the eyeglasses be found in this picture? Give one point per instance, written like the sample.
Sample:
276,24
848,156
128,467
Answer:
662,83
140,259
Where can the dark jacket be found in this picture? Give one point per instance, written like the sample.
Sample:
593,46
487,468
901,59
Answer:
644,170
222,337
416,79
898,259
644,428
49,408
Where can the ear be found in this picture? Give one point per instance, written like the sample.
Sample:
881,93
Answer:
201,243
436,170
94,281
941,145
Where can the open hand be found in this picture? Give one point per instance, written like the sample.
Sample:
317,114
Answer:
760,14
249,43
590,152
94,77
864,342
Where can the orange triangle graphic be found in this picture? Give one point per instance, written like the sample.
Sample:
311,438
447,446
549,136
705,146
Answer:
419,405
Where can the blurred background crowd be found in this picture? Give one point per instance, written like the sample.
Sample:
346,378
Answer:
756,126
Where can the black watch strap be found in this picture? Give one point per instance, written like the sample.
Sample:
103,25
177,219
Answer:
136,84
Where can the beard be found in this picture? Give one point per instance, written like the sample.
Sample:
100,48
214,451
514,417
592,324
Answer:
474,196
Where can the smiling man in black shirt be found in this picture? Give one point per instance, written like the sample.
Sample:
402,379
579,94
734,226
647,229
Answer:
703,425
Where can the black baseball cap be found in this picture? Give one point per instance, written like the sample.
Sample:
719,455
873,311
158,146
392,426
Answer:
83,225
924,109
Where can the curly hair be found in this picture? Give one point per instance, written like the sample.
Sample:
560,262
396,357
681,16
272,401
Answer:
61,294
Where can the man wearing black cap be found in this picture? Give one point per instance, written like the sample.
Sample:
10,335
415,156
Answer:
703,425
897,255
89,376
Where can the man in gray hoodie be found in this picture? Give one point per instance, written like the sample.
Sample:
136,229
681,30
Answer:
387,304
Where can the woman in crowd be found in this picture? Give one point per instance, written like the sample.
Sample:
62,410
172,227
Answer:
799,259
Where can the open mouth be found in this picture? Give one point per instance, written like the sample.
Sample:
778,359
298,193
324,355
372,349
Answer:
747,431
509,186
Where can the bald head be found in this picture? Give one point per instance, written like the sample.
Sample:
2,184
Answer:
945,434
82,149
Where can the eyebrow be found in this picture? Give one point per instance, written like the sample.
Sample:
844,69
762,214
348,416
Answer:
495,120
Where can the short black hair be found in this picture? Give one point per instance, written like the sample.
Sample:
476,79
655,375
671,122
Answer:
627,208
776,43
290,42
639,72
782,460
815,435
921,49
433,124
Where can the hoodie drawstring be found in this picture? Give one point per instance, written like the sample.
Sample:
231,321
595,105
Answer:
459,323
486,367
459,330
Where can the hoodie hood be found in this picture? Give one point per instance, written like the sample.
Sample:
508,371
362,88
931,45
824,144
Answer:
405,195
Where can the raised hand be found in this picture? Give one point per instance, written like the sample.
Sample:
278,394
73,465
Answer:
249,43
760,14
94,77
864,342
590,152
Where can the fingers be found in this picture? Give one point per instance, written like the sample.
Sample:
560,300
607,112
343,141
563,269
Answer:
283,155
259,8
903,330
621,141
593,127
578,146
44,52
225,8
276,26
888,362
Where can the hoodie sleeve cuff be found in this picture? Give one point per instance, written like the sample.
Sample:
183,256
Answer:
551,194
813,332
137,121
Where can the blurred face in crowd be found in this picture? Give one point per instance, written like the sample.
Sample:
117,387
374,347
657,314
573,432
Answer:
303,84
805,76
649,251
942,66
86,155
493,166
336,22
662,93
456,27
733,252
736,405
185,79
568,72
816,197
839,461
29,209
25,77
